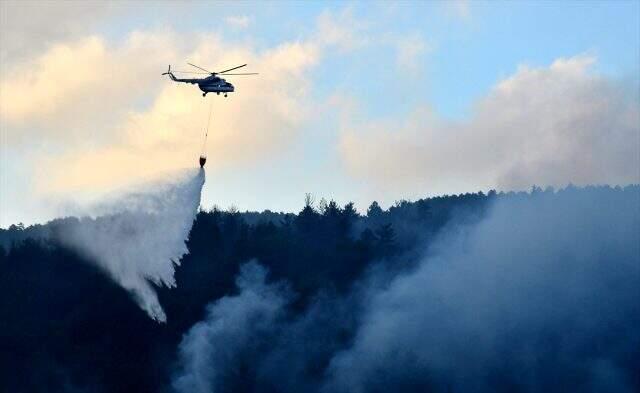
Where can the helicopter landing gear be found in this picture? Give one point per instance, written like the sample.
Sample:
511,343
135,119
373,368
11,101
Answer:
225,94
217,93
204,94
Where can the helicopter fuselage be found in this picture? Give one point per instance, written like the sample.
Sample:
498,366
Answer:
214,84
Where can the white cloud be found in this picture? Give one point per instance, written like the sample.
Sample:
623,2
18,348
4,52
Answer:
238,21
88,113
79,88
548,126
460,8
107,117
342,30
261,117
28,26
410,51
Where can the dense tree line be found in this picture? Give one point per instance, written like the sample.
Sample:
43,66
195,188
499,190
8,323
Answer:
66,326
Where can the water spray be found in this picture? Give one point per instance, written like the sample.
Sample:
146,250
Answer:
138,236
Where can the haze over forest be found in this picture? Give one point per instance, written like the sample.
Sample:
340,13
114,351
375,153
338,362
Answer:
500,292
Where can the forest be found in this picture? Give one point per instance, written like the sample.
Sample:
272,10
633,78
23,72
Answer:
440,294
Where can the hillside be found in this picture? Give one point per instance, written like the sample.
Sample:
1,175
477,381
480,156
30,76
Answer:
271,302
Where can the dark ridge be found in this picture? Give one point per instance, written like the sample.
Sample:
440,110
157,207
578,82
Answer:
65,326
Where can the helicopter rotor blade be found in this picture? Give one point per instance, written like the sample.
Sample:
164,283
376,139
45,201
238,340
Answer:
231,69
200,68
192,72
248,73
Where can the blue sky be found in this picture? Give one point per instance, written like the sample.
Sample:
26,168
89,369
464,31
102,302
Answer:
468,52
455,54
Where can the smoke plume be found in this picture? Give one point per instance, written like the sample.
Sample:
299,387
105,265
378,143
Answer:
235,327
139,236
540,295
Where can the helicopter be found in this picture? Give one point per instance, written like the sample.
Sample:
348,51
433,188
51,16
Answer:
211,83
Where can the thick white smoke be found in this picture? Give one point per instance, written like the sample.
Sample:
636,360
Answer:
541,295
138,237
211,350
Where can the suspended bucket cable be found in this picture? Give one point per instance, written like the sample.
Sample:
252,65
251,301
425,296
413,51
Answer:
203,153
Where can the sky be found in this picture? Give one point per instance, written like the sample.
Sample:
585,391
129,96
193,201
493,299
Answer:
355,101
